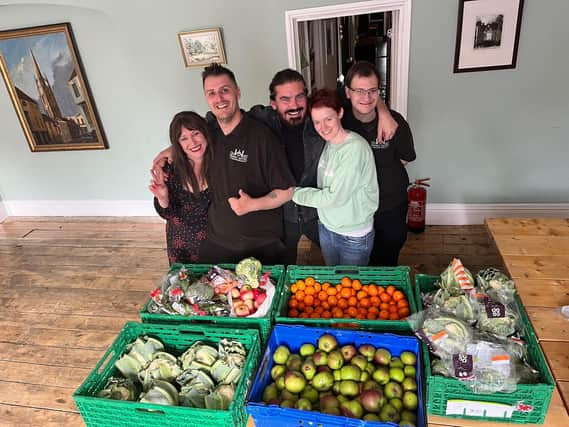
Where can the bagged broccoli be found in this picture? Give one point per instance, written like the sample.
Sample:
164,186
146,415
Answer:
443,333
495,317
496,283
485,367
456,279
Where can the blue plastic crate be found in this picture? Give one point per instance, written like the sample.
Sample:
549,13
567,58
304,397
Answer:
294,336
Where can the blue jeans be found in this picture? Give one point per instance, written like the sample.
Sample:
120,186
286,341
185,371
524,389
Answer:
338,249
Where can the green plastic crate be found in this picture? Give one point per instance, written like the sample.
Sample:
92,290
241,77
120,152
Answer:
527,405
262,324
176,339
396,276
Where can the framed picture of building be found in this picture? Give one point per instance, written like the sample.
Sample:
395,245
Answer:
46,81
487,35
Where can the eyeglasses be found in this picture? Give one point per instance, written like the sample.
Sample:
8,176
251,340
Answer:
363,92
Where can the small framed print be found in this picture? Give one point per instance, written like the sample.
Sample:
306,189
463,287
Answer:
201,48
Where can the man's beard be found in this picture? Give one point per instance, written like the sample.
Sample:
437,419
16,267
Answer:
293,121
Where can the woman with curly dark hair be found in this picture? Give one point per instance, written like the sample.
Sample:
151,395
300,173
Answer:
181,194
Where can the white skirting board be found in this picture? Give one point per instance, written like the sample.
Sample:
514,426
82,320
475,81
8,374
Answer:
3,212
437,213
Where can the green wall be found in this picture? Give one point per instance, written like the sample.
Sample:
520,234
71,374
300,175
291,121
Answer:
486,137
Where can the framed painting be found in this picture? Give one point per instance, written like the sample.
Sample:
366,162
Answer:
46,81
487,35
201,48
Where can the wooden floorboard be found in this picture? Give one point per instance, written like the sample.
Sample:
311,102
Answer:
68,285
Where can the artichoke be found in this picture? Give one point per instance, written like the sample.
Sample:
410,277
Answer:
160,393
119,389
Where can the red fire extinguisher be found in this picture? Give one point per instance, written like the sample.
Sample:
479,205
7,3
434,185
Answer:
417,196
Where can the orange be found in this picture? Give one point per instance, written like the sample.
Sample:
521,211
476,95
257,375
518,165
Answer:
322,296
402,303
371,316
301,306
364,302
331,291
319,310
373,310
356,284
384,306
300,295
375,301
343,303
352,301
337,313
309,290
309,300
352,311
303,316
346,282
393,316
315,316
383,314
325,305
309,281
309,310
294,288
338,287
300,284
362,294
317,287
393,309
390,289
372,290
332,300
403,312
346,293
292,303
380,290
293,312
326,314
398,295
384,297
325,286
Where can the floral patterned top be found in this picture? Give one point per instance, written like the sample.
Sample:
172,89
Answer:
186,220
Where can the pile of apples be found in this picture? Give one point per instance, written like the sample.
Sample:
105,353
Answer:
362,382
247,300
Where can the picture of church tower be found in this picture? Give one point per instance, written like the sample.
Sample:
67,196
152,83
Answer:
46,93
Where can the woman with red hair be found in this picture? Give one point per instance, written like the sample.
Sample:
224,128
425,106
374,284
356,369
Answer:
348,194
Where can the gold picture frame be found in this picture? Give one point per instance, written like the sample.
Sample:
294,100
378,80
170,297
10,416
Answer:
44,76
202,47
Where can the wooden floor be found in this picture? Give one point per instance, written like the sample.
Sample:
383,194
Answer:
69,284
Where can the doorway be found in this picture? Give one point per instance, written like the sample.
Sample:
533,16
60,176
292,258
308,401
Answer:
323,42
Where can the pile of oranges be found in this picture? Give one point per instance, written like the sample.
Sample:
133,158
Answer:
349,299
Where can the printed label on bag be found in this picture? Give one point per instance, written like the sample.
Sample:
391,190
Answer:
495,310
463,366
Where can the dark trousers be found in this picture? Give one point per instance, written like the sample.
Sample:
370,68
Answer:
390,236
271,254
292,233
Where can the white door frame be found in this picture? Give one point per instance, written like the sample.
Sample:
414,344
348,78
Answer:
400,41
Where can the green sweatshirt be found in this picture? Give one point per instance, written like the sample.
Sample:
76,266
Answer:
347,195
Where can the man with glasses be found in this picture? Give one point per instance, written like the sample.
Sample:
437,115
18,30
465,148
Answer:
288,118
361,93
